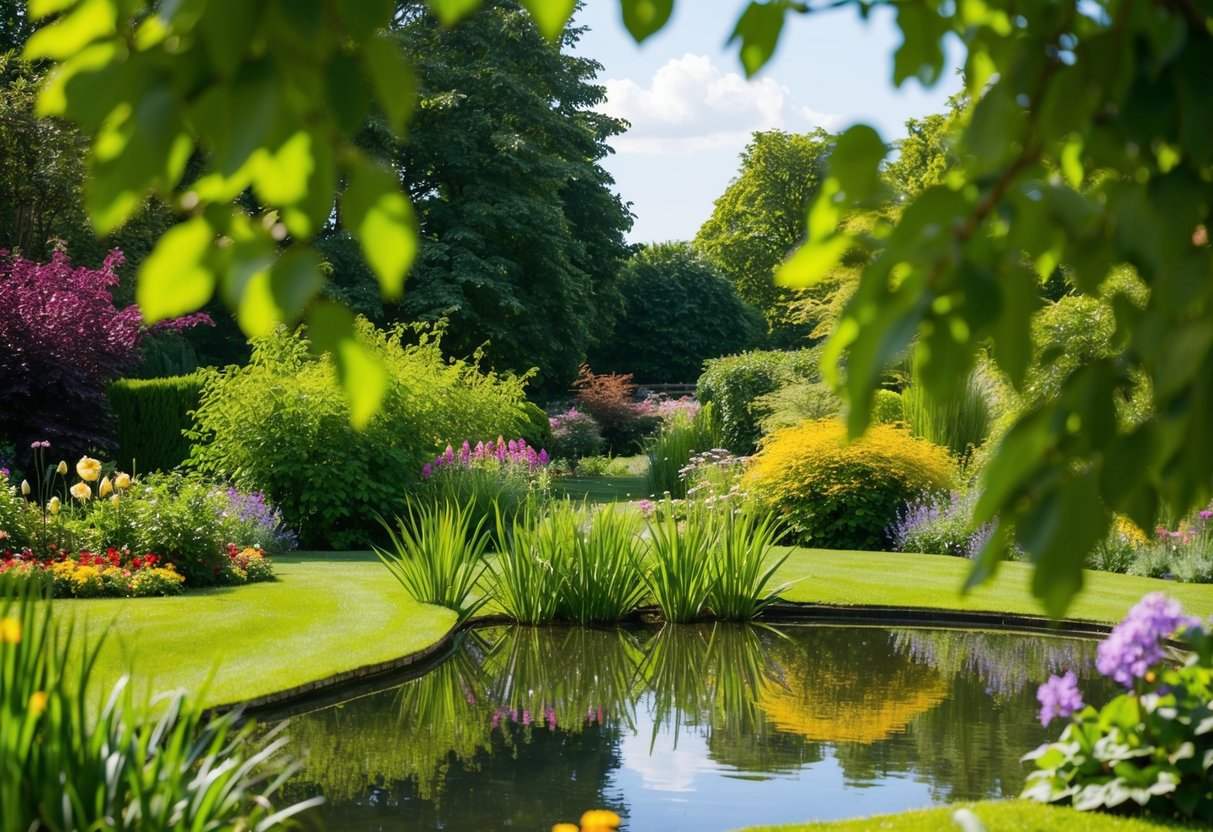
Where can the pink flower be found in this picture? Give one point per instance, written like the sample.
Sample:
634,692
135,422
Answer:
426,471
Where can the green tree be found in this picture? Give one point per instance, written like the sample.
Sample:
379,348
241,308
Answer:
1087,146
521,234
678,311
759,220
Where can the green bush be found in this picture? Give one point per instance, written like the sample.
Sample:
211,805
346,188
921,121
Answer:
16,518
798,402
961,424
536,428
153,415
733,383
840,495
887,407
672,449
281,426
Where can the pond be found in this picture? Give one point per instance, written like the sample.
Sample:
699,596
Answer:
711,727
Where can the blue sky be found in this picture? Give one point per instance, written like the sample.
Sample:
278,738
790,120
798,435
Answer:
692,111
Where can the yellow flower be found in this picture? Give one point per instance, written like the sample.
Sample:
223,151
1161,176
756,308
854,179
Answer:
61,469
37,702
24,488
122,481
599,820
114,499
565,827
81,491
106,488
88,469
54,505
10,631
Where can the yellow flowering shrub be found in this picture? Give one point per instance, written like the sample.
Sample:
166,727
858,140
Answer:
844,496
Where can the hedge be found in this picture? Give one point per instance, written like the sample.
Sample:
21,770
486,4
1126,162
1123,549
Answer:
152,413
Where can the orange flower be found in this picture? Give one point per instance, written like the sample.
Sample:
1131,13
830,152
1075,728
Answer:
10,631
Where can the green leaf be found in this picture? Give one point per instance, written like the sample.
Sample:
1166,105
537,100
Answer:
920,54
227,29
550,15
813,262
39,9
855,162
451,12
280,294
362,17
362,375
1019,298
391,79
281,175
1058,531
380,216
175,278
347,92
90,21
645,17
758,29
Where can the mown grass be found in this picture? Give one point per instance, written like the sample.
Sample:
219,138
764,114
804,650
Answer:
328,613
934,581
601,489
997,816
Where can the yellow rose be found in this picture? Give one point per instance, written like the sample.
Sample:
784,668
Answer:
122,481
106,488
81,491
10,631
53,506
37,702
88,469
61,469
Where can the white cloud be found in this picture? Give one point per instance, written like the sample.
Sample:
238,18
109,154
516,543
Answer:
690,105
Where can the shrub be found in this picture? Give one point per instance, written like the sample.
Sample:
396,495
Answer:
933,526
610,399
536,428
493,476
1148,750
437,554
795,403
678,310
281,426
166,765
887,407
960,424
732,384
846,496
575,435
672,449
17,521
61,343
153,415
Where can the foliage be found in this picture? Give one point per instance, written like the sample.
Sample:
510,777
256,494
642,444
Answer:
680,573
744,564
165,765
575,435
17,522
610,399
759,219
536,427
672,449
521,233
61,343
888,406
152,417
1148,750
844,496
602,576
437,554
678,310
714,476
525,578
87,575
934,526
959,423
494,476
1183,554
734,383
281,427
799,401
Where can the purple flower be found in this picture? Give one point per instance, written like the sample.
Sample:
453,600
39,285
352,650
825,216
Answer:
543,457
426,471
1134,645
1059,697
465,452
449,455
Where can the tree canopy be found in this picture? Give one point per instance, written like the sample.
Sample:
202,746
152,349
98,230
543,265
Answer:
1087,146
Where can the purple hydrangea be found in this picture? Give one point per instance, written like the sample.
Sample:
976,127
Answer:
1059,697
1135,644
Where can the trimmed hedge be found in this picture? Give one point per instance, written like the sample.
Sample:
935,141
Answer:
152,414
732,384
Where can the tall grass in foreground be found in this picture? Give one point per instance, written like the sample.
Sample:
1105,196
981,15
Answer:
62,769
680,573
603,578
437,555
960,424
526,575
673,448
742,565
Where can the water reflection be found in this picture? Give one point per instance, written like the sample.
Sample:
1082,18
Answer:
704,727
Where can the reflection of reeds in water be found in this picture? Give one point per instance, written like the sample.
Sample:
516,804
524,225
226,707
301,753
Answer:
1007,664
708,676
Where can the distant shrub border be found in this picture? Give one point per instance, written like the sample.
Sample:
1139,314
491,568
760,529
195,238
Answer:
153,415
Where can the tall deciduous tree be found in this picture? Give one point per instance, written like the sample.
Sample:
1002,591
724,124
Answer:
759,220
522,235
678,311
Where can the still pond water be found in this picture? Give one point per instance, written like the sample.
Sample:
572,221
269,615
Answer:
699,728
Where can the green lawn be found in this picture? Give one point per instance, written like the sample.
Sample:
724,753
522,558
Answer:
329,613
1000,816
934,581
601,489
